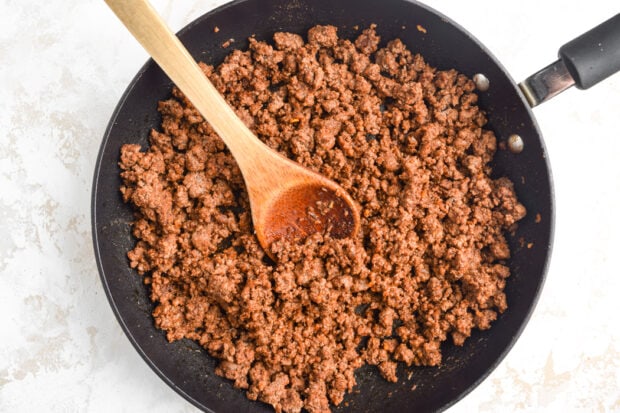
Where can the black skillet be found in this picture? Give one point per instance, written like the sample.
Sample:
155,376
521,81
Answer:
184,365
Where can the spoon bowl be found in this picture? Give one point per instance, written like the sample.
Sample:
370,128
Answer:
304,207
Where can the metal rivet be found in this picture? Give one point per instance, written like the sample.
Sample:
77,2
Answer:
482,82
515,143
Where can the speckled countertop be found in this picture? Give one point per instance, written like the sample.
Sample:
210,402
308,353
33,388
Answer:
63,68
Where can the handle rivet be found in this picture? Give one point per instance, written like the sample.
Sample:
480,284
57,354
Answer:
482,82
515,143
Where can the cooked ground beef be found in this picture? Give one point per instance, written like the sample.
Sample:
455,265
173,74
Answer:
404,139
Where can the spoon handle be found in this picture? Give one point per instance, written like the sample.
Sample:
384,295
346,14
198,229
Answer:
147,26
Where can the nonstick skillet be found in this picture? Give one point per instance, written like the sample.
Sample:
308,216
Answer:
185,366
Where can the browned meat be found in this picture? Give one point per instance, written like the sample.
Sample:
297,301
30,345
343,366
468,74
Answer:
407,142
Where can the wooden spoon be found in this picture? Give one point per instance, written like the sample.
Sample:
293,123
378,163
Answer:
288,201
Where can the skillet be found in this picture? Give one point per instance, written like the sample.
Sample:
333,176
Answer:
184,365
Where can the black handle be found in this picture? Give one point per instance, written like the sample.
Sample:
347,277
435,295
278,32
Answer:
595,55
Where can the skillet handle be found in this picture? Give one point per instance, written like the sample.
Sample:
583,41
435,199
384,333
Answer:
583,62
595,55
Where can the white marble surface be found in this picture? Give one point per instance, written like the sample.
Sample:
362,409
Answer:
63,67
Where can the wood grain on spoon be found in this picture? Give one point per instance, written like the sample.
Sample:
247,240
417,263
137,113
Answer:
288,201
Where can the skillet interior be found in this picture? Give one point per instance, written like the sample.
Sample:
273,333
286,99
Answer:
184,365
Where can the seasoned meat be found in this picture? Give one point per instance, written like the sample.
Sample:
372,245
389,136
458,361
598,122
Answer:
406,140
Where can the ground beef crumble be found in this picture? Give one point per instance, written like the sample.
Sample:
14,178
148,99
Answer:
404,139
